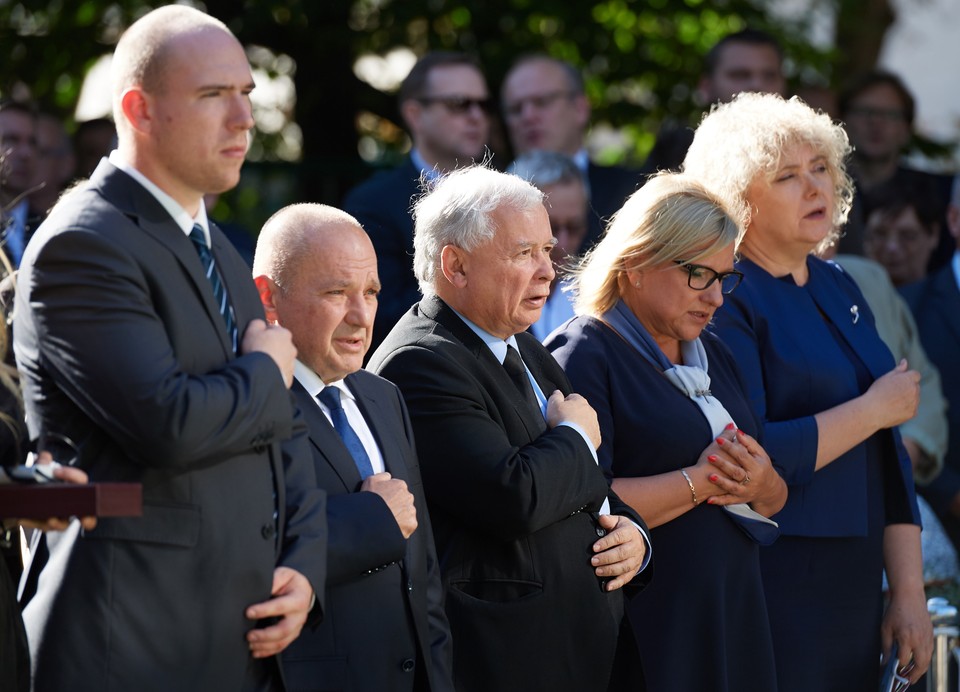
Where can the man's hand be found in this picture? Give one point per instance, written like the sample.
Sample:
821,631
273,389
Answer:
67,474
620,553
398,497
275,341
292,598
573,409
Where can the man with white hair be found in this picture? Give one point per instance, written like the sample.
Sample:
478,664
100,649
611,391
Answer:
531,556
140,336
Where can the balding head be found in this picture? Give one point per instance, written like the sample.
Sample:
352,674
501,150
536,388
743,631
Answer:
316,271
142,53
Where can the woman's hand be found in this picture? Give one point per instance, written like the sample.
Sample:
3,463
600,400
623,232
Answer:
893,398
907,620
744,473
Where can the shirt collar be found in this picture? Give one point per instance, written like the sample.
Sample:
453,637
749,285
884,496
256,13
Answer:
313,383
497,345
429,172
172,207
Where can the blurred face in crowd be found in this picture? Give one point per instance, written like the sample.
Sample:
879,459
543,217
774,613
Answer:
566,204
450,122
792,210
876,123
541,109
744,67
661,298
330,301
502,285
900,242
198,117
18,150
55,162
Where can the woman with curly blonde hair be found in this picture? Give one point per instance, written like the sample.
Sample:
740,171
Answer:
829,396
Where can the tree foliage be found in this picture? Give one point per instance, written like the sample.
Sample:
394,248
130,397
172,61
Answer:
641,58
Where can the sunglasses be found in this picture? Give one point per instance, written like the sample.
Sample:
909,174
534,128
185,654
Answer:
459,105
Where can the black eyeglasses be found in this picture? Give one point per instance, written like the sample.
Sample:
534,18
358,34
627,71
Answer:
700,278
458,105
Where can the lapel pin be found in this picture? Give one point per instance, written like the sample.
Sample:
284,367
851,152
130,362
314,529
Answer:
855,311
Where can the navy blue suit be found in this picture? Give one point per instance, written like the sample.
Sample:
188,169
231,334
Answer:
382,206
803,350
935,303
384,627
639,409
609,188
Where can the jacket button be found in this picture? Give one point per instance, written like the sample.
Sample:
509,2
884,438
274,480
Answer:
410,585
267,531
601,531
407,666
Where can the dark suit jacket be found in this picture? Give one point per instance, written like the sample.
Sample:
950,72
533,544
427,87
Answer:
609,188
935,303
384,603
514,510
122,349
382,206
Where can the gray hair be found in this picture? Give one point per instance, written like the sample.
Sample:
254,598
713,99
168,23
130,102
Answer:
740,141
672,217
458,210
541,168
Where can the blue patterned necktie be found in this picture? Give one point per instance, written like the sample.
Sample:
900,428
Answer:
216,282
330,397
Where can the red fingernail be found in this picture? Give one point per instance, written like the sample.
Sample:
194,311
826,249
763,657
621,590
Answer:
713,478
712,459
730,426
740,432
709,500
720,441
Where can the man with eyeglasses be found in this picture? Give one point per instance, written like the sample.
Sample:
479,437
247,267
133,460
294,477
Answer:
877,110
545,107
445,104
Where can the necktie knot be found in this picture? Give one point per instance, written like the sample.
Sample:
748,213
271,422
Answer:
330,396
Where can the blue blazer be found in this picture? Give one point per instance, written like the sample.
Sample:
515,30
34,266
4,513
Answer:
382,206
795,369
936,306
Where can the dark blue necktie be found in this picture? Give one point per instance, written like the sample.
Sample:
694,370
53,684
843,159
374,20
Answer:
216,282
330,397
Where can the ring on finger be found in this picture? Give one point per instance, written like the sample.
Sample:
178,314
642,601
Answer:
746,479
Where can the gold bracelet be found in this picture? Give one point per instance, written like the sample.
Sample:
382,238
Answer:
693,491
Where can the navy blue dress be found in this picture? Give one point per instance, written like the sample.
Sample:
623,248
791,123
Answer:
803,350
702,623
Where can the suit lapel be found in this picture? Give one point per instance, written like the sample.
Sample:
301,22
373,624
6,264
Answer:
381,424
844,311
148,214
436,309
326,441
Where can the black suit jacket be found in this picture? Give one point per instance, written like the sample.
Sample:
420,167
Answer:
122,349
609,188
935,303
382,205
514,510
384,628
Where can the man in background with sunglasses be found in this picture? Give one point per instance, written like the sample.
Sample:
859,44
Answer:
445,104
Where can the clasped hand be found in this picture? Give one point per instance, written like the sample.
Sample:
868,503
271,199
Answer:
742,472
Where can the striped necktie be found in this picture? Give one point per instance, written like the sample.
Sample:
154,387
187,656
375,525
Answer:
216,282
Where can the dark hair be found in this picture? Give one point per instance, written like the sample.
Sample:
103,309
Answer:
866,81
414,84
25,107
753,37
918,192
